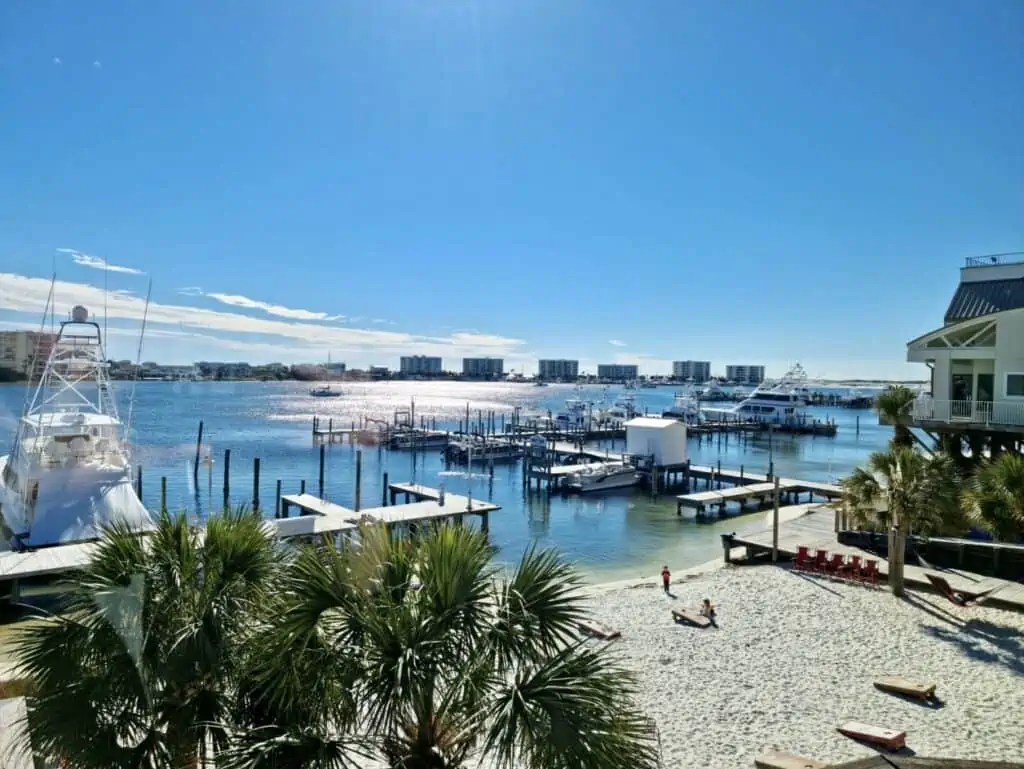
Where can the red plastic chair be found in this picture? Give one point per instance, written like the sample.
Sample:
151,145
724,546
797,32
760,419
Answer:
803,559
870,572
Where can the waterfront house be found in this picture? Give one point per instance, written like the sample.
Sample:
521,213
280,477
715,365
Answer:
977,356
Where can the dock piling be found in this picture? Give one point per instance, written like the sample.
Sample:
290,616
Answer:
227,477
384,491
359,477
775,522
163,493
195,465
256,484
138,483
320,485
277,499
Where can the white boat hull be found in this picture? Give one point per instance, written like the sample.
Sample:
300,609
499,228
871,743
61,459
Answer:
72,505
588,483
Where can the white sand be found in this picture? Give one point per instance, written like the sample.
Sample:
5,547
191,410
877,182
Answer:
795,656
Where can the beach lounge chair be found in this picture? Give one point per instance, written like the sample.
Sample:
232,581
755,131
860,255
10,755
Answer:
803,558
597,630
890,739
898,685
779,759
691,618
962,597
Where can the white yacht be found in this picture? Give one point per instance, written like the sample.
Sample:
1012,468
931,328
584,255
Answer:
69,473
684,406
780,402
614,475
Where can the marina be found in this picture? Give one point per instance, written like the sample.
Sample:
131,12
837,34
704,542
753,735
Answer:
246,421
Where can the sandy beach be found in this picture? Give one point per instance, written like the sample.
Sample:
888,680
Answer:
795,656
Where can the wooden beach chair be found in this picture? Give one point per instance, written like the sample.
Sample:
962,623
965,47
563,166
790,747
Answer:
890,739
779,759
898,685
597,630
691,618
962,597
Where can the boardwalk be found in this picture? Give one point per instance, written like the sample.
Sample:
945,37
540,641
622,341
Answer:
816,530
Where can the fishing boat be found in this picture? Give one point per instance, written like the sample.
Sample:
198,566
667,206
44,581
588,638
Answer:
611,475
69,473
685,406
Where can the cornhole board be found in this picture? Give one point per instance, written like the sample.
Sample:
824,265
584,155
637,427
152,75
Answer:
690,618
876,735
779,759
597,630
898,685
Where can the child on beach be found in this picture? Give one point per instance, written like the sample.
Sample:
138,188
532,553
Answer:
666,577
708,610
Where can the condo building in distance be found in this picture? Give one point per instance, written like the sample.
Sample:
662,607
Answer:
420,365
483,368
699,371
558,369
617,372
745,375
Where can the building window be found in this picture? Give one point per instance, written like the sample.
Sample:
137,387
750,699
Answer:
1015,385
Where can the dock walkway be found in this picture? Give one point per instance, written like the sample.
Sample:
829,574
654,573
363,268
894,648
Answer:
318,516
816,531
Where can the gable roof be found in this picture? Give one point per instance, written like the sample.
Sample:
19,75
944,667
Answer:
984,297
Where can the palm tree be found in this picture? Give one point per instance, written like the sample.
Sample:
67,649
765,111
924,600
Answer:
893,405
906,492
994,498
137,669
421,649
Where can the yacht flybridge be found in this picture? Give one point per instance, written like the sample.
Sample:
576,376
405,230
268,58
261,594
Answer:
780,402
69,473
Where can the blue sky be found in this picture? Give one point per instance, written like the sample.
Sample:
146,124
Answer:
747,182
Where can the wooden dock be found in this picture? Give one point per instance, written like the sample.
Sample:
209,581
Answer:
750,487
816,530
317,517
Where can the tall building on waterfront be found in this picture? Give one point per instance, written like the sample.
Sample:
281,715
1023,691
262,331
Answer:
748,375
617,372
697,370
420,365
18,350
483,368
558,368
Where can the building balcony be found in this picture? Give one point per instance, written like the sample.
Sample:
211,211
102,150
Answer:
1005,416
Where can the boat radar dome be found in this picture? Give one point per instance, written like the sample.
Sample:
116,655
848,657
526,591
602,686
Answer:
79,314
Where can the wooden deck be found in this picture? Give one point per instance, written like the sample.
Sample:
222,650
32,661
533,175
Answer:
816,530
701,500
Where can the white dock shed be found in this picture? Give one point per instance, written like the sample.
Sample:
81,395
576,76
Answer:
664,439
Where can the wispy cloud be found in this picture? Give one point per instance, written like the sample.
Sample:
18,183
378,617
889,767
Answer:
284,339
56,59
616,343
238,300
97,262
97,65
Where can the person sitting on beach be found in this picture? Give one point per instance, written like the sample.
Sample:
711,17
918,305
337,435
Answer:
708,610
666,577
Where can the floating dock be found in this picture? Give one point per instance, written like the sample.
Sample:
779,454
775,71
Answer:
788,488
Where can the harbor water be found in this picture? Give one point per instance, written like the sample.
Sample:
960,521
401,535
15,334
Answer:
611,535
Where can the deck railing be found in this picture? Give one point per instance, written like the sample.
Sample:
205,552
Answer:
983,412
1011,257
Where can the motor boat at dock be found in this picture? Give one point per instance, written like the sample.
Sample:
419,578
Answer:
604,477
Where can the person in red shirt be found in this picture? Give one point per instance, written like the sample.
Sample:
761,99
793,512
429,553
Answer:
666,577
